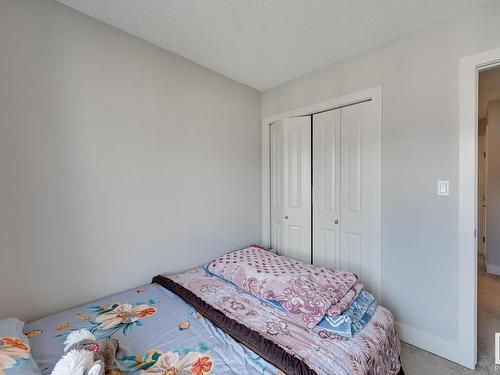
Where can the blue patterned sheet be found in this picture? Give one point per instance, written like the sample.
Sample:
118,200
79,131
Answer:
156,330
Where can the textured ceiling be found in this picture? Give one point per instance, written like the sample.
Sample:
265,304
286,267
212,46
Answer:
263,43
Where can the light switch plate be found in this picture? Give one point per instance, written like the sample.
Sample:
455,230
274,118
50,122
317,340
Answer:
443,188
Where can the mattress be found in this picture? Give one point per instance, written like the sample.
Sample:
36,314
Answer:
275,335
148,322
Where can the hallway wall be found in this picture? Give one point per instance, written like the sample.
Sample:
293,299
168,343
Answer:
493,188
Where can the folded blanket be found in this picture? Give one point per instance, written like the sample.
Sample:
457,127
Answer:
354,319
346,301
307,292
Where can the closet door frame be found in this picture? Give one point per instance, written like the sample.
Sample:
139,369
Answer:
375,96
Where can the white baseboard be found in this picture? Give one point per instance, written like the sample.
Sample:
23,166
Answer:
431,343
491,268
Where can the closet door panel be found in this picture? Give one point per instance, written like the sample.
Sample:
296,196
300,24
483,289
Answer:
277,207
297,188
351,259
353,144
356,169
326,189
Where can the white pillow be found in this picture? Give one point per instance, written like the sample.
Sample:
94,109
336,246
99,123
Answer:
15,351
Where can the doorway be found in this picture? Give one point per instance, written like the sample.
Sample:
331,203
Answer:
469,209
488,215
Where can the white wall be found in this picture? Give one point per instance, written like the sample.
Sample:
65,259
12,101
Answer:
493,189
118,160
419,75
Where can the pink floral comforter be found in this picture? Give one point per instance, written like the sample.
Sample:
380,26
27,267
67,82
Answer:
306,291
373,351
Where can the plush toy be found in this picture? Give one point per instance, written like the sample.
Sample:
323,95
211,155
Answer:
84,355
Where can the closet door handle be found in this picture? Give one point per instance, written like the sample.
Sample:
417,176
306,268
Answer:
286,217
336,221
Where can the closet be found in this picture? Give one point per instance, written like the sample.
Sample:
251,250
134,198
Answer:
325,177
291,187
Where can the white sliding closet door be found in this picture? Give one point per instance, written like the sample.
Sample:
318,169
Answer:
346,192
360,194
291,187
344,232
326,189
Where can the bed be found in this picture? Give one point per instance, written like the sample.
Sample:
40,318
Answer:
162,323
200,324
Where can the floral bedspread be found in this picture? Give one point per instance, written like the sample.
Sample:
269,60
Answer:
307,292
373,351
157,331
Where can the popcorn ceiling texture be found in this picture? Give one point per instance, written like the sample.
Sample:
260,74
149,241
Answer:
263,43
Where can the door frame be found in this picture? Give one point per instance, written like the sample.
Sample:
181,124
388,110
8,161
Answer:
373,94
468,203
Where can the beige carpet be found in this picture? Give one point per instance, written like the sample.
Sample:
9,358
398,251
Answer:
419,362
